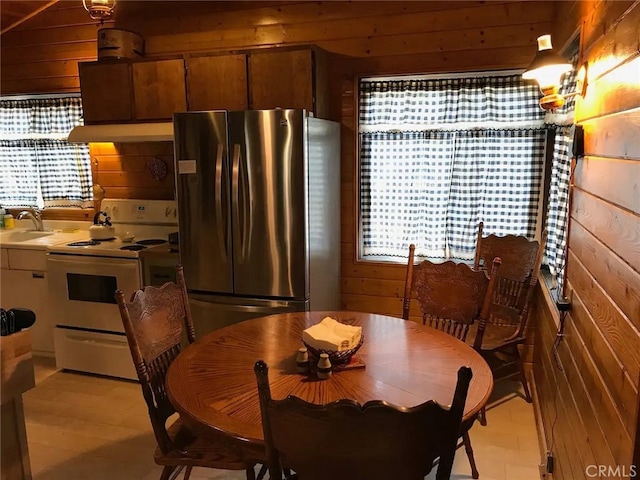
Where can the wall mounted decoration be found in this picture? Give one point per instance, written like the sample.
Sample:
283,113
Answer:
157,168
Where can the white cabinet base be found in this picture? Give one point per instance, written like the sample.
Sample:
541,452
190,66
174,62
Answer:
29,289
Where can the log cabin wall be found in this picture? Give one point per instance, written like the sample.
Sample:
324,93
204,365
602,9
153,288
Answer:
589,390
365,38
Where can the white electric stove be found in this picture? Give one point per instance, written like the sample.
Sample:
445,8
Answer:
84,275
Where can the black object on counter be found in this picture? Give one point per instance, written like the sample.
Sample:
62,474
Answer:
174,239
15,319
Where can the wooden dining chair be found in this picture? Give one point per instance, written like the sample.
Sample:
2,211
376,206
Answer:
348,441
504,330
452,297
155,322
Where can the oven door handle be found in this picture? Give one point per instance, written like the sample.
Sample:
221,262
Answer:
89,261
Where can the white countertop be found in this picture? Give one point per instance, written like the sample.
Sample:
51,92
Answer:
40,243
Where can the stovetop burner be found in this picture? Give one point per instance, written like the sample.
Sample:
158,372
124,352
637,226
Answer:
135,248
151,241
88,243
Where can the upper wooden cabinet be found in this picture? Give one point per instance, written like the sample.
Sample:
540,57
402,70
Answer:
217,82
158,89
289,79
106,92
148,90
121,91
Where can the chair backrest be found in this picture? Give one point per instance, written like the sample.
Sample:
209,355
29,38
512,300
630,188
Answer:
345,440
154,321
451,295
518,276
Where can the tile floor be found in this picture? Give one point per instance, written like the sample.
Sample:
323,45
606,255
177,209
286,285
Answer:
85,427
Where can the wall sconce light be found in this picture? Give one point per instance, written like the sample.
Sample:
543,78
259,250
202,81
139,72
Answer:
547,69
99,9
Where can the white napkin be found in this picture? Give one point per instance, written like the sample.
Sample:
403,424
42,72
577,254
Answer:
332,335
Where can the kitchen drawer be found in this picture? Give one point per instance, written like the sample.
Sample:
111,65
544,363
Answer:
4,257
27,259
101,353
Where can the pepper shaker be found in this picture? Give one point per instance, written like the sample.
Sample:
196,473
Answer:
324,366
302,360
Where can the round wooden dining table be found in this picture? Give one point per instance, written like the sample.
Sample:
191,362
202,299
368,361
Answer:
213,387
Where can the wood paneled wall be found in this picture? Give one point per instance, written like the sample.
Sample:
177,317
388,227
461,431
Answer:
122,169
590,390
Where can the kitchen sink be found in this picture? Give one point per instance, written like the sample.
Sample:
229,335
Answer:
24,235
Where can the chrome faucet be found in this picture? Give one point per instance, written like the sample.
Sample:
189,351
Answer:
35,215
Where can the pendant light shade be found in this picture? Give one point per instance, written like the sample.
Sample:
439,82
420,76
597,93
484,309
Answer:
547,69
99,9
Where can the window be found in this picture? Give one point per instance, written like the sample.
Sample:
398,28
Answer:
437,156
38,167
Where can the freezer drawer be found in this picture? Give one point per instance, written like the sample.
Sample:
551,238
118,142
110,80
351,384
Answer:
212,312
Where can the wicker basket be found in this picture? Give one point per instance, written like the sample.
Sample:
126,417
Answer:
336,358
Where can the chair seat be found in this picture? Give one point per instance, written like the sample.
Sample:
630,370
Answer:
495,336
199,450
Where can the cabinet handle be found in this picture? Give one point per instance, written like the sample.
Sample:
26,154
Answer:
37,274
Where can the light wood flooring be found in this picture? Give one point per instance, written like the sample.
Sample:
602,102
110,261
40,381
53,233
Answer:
87,427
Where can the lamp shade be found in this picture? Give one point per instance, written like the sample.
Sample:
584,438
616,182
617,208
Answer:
547,66
99,9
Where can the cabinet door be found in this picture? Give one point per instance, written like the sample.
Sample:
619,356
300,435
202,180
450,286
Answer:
106,92
217,82
29,289
281,79
158,89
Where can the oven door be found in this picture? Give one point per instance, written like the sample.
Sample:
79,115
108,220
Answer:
82,289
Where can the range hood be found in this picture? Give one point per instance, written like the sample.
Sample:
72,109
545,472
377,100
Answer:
117,133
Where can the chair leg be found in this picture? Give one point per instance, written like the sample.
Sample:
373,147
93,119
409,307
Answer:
167,471
483,417
187,472
263,471
472,461
251,473
523,377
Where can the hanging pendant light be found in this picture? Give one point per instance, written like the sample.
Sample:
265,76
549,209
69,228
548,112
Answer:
99,9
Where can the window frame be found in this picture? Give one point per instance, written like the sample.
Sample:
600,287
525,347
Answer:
357,211
56,213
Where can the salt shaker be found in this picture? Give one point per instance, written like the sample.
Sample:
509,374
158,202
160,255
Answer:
302,360
324,367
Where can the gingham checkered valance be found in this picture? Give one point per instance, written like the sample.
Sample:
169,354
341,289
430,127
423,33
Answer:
38,167
436,163
449,104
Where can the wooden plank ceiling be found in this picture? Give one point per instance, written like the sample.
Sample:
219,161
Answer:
14,12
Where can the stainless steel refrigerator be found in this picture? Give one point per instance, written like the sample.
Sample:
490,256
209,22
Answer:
259,213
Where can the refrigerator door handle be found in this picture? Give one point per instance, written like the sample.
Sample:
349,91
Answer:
222,232
247,227
235,188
